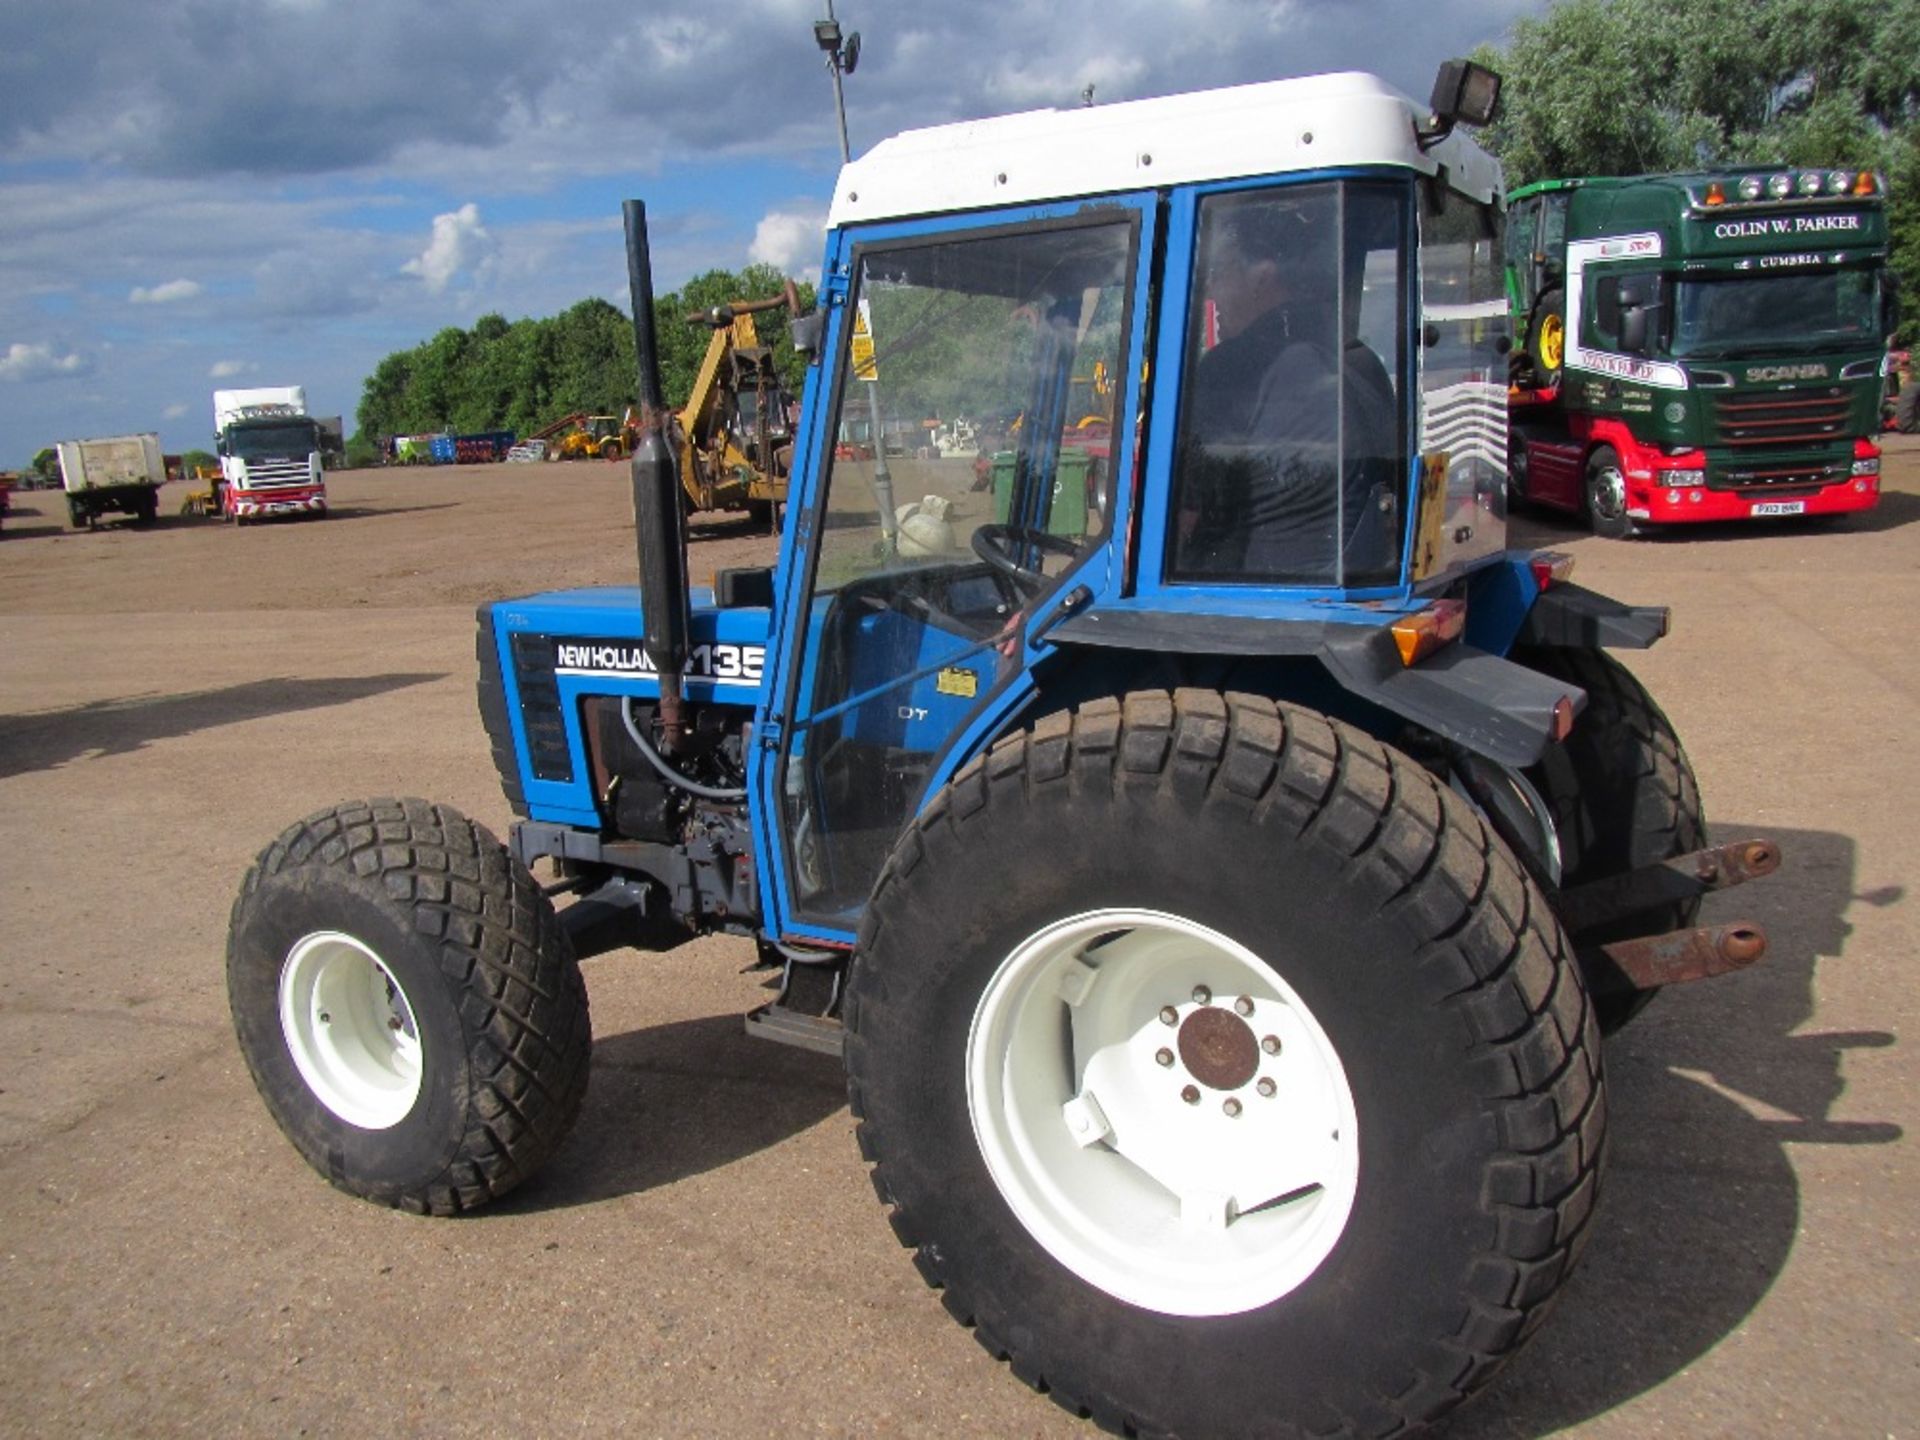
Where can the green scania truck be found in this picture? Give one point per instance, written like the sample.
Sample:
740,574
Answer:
1698,347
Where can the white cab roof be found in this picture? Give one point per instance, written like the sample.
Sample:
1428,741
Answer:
1319,123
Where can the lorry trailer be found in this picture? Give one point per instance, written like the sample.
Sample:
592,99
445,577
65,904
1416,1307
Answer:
1705,346
121,474
270,453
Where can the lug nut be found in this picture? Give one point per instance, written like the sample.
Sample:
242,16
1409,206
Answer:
1231,1106
1163,1056
1191,1094
1271,1044
325,1019
1243,1006
1202,995
1169,1015
1266,1087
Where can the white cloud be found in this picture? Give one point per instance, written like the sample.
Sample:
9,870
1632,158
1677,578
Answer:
173,412
460,243
164,294
39,362
791,241
227,369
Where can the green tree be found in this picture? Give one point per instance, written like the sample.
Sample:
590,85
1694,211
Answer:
523,375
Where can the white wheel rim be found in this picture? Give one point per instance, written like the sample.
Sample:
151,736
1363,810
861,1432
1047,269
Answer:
1212,1206
351,1030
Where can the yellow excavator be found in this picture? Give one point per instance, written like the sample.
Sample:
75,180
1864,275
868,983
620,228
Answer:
581,436
735,433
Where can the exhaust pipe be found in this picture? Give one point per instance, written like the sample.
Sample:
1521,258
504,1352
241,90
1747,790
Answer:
658,520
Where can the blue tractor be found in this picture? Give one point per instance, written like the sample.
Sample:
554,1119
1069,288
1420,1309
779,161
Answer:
1215,855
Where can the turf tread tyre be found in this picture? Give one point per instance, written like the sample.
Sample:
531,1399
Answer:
506,975
1622,794
1493,958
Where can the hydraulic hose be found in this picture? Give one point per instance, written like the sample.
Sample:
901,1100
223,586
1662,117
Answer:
658,761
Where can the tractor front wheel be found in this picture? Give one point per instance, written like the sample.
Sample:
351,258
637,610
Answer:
1226,1071
408,1004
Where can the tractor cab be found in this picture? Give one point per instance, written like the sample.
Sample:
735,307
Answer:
1306,429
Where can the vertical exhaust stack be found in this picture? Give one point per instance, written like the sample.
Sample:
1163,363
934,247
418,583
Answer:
659,521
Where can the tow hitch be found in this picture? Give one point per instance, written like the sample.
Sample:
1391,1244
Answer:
1650,961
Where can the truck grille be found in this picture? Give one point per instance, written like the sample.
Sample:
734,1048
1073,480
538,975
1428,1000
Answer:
1802,417
264,473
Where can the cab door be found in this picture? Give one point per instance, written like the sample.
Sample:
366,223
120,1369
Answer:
918,564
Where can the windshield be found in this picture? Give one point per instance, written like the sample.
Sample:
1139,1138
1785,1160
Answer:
1292,442
1729,316
286,441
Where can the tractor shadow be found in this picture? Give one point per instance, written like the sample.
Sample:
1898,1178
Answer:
1707,1088
671,1101
100,728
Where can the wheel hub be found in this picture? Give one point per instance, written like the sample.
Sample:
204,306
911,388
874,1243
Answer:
1218,1048
350,1030
1192,1154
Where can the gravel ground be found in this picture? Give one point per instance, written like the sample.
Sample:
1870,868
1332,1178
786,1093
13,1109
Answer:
705,1257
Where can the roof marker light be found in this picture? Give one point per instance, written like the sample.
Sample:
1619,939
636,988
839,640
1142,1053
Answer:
1716,193
1866,183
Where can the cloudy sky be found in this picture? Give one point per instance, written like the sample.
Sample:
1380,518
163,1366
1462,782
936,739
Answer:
196,193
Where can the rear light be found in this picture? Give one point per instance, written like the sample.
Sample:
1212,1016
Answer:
1418,635
1562,718
1550,567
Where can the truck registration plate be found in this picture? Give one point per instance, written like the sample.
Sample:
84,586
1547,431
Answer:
1779,507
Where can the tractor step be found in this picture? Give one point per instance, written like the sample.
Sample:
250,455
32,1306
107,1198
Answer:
775,1022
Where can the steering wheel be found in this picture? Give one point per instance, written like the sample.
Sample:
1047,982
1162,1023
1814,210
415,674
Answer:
999,544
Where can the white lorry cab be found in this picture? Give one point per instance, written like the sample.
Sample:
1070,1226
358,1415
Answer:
269,453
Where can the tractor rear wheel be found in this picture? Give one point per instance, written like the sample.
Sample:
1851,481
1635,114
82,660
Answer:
1621,793
408,1004
1227,1073
1546,342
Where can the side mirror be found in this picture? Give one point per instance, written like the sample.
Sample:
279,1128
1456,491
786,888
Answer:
806,333
1633,328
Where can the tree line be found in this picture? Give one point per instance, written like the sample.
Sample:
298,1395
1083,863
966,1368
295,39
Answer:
1629,87
525,374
